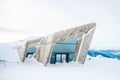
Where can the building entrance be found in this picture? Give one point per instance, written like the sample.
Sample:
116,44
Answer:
61,57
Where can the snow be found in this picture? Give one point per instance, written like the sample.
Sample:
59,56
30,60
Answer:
8,52
95,68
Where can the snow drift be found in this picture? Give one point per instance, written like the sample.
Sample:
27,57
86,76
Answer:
8,52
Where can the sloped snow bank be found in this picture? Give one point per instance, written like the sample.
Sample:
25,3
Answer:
8,52
32,61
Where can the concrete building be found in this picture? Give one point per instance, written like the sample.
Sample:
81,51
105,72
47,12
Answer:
63,46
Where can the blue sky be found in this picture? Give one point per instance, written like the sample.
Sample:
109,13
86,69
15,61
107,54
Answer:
24,18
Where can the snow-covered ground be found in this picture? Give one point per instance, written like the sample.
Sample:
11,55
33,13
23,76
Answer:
95,68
